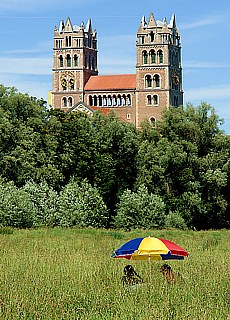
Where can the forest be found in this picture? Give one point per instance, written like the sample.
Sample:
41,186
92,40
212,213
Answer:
69,169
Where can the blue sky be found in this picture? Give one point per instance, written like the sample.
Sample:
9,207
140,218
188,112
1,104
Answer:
26,30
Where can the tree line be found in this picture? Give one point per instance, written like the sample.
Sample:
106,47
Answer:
69,169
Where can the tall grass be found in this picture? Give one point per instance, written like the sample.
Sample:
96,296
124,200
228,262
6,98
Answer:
68,274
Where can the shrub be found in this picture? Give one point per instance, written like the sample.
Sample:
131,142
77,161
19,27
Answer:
140,210
44,200
175,220
16,208
81,205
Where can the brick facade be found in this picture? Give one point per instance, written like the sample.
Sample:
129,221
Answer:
156,84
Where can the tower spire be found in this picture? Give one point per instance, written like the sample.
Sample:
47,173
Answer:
152,21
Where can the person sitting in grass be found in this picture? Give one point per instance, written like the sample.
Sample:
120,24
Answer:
169,275
130,277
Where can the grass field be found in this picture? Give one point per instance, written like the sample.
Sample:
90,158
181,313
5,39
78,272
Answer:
68,274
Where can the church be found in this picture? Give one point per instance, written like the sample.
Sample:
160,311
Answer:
156,84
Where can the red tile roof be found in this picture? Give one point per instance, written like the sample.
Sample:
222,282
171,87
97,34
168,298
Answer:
114,82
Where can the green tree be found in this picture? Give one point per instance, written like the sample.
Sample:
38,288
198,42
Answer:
140,209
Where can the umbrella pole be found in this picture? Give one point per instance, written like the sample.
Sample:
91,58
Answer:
150,272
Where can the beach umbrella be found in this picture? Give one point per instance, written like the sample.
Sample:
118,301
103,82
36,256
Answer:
150,248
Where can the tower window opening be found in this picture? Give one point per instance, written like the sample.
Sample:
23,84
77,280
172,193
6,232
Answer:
68,60
148,81
156,79
151,36
61,61
160,55
155,99
149,100
64,102
75,60
153,56
145,57
70,102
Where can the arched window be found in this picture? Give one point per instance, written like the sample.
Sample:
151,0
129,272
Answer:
75,60
148,81
85,61
61,61
155,99
149,100
119,100
70,102
95,101
123,100
100,101
109,101
153,56
90,100
128,100
152,121
89,62
160,56
145,57
68,58
114,101
64,102
104,101
156,80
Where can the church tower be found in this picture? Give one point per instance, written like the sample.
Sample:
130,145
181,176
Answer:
158,68
74,62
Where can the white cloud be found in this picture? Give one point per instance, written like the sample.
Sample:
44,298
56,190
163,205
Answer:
205,64
32,66
208,93
200,23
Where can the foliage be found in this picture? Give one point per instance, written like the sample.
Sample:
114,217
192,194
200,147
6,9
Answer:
175,220
184,160
81,205
16,209
140,210
44,200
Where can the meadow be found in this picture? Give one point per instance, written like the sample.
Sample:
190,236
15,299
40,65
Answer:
69,274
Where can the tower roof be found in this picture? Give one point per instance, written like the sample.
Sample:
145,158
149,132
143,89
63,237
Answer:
114,82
